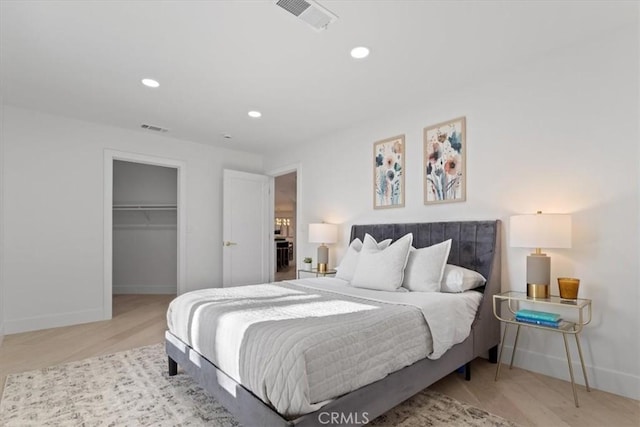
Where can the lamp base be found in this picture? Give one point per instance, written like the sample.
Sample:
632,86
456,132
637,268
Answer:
323,258
538,275
537,291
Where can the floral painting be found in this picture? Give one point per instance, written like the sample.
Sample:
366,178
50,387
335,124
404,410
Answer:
388,173
445,162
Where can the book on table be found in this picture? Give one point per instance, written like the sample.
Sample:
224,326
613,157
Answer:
548,323
538,315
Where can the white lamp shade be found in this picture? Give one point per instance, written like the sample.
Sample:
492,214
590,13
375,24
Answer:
540,231
323,233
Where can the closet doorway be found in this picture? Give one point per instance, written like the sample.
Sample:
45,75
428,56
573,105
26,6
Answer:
144,227
145,202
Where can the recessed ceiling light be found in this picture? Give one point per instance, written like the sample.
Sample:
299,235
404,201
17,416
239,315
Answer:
359,52
150,83
255,114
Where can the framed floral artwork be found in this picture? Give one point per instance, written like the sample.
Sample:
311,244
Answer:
388,173
445,150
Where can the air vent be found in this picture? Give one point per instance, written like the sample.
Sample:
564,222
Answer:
153,128
316,16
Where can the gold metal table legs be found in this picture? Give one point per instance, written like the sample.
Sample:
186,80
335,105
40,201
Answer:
566,347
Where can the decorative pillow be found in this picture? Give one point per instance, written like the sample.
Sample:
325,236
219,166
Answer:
350,260
425,267
460,279
371,244
383,270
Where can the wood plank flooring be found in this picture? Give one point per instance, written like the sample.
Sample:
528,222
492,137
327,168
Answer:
521,396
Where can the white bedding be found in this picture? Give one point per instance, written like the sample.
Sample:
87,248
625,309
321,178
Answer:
448,315
298,344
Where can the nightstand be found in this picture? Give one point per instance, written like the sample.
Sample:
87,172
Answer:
513,300
314,272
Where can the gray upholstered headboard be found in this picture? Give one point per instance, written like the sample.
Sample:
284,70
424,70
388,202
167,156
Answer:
473,243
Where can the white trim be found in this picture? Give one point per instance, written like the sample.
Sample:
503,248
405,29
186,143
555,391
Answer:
3,304
616,382
109,157
272,218
283,170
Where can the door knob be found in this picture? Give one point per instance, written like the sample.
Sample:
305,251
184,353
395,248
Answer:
228,243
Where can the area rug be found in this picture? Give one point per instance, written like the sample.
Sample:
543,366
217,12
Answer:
132,388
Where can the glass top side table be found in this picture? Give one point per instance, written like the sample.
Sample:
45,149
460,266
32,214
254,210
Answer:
513,299
316,273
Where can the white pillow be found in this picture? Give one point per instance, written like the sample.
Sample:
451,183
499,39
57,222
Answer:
460,279
425,267
371,244
350,259
383,270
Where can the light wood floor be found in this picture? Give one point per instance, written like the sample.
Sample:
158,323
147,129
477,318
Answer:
286,273
523,397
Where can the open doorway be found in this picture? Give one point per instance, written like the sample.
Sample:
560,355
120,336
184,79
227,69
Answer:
285,225
177,210
145,201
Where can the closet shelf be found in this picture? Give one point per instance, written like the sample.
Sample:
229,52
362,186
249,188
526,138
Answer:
145,207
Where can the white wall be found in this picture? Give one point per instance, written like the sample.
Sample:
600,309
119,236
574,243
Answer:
53,206
560,135
139,183
144,242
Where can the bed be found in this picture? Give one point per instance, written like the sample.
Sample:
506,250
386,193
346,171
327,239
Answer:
475,245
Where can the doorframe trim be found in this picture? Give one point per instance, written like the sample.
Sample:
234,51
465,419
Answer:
181,166
283,170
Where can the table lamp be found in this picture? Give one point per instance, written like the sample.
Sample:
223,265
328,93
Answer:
323,234
539,231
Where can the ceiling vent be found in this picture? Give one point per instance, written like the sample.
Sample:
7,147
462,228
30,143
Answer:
153,128
316,16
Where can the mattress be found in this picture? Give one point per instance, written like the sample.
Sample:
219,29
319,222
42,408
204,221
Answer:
296,345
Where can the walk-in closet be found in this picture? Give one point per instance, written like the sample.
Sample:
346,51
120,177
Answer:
144,228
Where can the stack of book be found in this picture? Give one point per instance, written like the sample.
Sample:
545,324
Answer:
541,318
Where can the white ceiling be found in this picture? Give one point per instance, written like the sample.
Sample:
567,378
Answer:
216,60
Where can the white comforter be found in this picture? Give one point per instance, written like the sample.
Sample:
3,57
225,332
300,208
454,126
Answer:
297,345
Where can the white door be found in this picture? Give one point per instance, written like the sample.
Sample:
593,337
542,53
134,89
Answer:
246,230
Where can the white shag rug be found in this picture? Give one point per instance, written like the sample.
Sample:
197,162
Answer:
132,388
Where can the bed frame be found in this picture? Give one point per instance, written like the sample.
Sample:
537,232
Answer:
475,245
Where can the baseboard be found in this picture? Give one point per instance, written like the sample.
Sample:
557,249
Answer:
36,323
1,333
145,289
608,380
